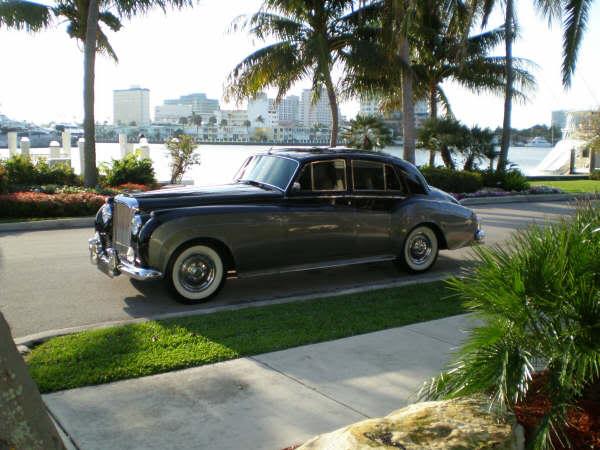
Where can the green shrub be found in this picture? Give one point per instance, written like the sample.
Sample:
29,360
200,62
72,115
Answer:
20,170
451,180
131,169
3,179
537,303
595,175
60,174
509,180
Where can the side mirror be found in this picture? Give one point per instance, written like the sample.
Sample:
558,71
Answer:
296,187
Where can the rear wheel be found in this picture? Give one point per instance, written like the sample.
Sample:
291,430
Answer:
420,250
195,274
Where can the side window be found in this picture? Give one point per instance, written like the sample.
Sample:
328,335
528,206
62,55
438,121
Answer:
368,176
329,175
392,182
323,176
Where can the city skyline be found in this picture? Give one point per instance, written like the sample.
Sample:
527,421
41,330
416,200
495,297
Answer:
45,79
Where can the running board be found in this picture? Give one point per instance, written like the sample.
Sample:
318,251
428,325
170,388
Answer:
323,265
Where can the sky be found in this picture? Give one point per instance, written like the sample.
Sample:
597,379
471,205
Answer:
182,52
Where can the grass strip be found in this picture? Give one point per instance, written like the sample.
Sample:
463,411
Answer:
572,186
130,351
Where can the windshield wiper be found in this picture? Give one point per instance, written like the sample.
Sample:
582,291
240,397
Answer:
258,184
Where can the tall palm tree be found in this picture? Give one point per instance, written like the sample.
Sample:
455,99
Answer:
310,36
84,17
575,16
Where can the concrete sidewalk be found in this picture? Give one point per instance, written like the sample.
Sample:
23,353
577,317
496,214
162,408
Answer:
269,401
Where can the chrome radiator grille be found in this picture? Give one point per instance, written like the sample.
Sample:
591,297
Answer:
122,215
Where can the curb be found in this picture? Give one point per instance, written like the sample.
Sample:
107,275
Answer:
538,198
50,224
27,342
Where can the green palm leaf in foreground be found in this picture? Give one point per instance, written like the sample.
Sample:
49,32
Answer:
538,300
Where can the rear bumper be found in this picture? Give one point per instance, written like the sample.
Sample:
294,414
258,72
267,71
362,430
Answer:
108,262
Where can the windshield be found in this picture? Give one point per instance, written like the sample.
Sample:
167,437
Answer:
270,170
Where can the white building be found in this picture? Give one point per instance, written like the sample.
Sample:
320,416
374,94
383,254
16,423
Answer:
131,106
288,110
318,113
171,113
393,119
262,111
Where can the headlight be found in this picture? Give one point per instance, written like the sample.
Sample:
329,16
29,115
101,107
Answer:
136,224
106,213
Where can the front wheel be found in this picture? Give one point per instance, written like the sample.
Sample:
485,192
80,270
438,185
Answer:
420,250
196,274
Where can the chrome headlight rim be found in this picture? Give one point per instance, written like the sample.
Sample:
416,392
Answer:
136,224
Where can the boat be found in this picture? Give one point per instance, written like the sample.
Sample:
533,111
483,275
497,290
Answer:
539,141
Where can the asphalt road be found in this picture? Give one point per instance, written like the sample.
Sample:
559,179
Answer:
47,282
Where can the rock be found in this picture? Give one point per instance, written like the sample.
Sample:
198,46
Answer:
464,423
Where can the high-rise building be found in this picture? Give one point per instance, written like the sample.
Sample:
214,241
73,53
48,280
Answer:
393,119
131,106
559,119
171,113
317,113
199,103
288,110
262,111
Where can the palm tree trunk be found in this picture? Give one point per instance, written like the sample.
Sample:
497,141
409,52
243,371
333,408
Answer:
89,63
505,144
432,115
24,421
334,110
408,106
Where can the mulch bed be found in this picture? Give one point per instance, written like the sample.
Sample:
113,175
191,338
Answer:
583,429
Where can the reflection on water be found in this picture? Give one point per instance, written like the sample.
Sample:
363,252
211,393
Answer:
221,162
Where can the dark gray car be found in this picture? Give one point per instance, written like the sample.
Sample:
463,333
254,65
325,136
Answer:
286,210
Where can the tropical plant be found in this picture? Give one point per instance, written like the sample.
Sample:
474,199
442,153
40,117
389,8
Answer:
196,120
183,121
366,133
444,135
306,40
458,182
537,303
223,123
84,20
132,168
247,123
212,121
481,146
181,152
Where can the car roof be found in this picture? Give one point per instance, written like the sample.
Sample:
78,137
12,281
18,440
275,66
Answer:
314,153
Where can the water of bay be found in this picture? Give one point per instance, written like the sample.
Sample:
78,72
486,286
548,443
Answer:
219,163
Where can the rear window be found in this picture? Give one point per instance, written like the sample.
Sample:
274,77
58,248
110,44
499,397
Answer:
323,176
375,176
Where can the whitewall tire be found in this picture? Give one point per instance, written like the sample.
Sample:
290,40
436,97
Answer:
420,249
196,273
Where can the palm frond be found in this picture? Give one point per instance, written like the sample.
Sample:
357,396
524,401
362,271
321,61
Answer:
22,14
575,23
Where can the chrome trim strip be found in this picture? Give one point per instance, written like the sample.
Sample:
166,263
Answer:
324,265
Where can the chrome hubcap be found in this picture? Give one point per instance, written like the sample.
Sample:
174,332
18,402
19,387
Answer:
419,249
197,272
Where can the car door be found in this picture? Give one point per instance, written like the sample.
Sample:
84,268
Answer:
376,190
319,218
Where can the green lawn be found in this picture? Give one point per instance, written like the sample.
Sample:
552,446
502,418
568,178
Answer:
130,351
573,186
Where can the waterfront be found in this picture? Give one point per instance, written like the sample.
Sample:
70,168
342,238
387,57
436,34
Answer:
221,162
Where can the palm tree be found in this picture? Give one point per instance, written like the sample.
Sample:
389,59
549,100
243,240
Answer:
367,132
311,37
575,14
223,123
84,25
196,119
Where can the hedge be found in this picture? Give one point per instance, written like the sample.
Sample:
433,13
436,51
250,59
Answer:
37,204
451,180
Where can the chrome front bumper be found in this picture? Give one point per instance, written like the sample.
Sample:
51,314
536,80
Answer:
109,263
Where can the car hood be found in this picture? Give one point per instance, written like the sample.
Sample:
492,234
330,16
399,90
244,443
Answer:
204,195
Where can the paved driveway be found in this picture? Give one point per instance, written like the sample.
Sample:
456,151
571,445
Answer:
47,282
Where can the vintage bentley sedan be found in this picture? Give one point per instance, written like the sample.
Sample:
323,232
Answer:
286,210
